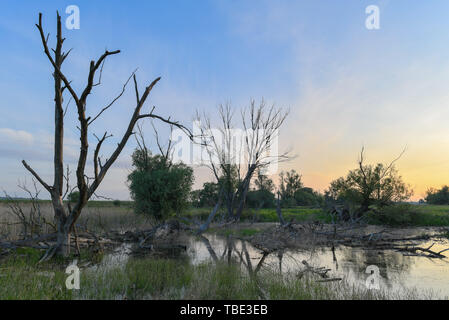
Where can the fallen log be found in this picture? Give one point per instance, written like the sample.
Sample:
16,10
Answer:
425,252
330,279
321,271
29,242
156,247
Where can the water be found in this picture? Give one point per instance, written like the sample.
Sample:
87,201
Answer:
397,272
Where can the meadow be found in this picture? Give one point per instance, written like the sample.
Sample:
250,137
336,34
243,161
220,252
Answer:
396,216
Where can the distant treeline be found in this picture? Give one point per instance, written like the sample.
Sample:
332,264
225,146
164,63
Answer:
438,196
291,190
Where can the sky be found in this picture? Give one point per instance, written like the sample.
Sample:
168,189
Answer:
346,86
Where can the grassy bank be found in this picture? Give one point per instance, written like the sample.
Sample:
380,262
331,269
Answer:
404,215
145,278
264,215
433,215
396,216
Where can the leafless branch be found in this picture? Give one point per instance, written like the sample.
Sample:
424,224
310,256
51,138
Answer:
114,100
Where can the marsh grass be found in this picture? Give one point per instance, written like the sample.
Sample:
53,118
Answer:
402,215
95,217
22,278
265,215
103,216
148,278
170,279
237,231
155,278
432,215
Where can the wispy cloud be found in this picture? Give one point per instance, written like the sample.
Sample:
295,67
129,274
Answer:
11,136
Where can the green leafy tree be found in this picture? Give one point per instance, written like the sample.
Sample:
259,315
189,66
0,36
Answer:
260,199
158,186
208,195
262,182
229,182
438,196
308,197
195,198
73,196
289,183
262,195
368,185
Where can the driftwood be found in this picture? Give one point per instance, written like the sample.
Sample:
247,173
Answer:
321,271
29,242
330,280
423,252
156,238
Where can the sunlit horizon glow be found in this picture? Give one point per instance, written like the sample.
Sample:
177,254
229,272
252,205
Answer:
345,86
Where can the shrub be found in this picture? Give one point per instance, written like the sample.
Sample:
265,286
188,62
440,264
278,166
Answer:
260,199
288,203
438,196
159,187
368,185
73,196
208,195
289,183
308,197
401,214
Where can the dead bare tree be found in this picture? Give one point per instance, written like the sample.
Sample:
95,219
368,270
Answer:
279,211
31,219
233,159
65,219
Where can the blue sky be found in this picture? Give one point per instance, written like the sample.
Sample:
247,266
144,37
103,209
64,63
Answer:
346,86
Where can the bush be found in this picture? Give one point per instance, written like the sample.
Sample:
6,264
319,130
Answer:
159,187
260,199
74,196
402,214
116,203
208,196
438,196
288,203
368,185
308,197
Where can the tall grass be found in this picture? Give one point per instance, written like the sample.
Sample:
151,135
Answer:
95,218
148,278
401,215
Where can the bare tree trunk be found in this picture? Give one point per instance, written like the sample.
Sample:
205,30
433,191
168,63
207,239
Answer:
242,202
63,238
279,212
244,191
65,220
229,205
63,242
211,217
